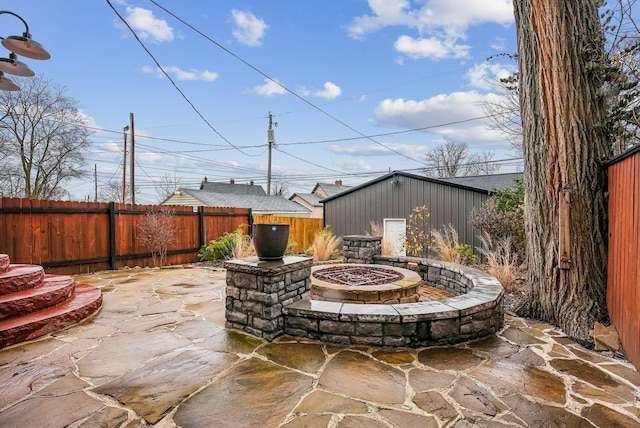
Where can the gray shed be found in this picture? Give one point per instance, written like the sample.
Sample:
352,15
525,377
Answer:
396,194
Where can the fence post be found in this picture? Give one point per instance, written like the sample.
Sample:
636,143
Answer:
201,229
112,236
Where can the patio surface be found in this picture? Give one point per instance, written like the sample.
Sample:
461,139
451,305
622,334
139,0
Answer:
157,354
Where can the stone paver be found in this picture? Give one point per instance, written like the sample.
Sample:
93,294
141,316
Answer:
158,355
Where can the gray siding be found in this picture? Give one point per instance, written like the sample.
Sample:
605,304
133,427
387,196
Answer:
353,212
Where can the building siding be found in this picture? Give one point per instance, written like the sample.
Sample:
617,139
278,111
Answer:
352,213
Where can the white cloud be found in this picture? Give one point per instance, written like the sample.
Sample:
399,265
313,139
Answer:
180,74
458,116
385,13
353,165
248,30
438,24
330,91
431,48
147,26
486,76
269,88
498,44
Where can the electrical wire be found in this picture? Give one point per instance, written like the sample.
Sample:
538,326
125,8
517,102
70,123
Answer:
295,94
174,83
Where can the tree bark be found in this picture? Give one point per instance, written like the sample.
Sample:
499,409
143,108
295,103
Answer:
560,46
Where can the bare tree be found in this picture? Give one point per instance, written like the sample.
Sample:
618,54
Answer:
43,138
452,159
280,188
504,111
112,192
158,231
167,186
619,70
565,139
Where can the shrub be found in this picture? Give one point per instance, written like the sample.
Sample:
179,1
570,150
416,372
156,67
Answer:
325,245
502,216
222,247
418,238
449,249
158,231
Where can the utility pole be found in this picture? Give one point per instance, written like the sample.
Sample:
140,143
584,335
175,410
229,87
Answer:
133,175
124,167
95,181
271,139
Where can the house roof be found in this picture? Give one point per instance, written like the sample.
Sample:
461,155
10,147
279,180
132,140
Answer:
487,182
258,203
310,198
408,175
329,189
233,188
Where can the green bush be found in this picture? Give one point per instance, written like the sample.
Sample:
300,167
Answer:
465,254
502,216
221,248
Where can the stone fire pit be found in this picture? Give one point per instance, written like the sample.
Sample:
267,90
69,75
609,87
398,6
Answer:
365,283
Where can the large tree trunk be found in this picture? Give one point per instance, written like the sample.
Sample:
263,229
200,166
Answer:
560,46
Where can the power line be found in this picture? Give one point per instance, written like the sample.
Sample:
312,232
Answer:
174,83
301,98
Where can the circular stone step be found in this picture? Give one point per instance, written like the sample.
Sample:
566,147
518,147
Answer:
4,262
20,277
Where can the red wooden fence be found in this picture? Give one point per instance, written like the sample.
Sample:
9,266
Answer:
624,251
77,237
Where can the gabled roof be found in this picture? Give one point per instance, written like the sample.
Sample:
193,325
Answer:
233,188
490,182
258,203
310,198
405,174
329,189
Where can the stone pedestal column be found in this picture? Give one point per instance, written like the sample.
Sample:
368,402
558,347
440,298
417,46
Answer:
257,291
361,248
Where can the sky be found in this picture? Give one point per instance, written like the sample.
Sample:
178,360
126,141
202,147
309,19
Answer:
355,88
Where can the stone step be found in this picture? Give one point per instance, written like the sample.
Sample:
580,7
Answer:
85,301
54,290
19,277
4,262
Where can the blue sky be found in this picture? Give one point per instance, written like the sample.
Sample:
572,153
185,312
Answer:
406,74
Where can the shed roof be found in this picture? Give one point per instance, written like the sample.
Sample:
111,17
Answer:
408,175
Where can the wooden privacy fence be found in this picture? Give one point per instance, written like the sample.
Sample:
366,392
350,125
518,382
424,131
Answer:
623,296
76,237
301,229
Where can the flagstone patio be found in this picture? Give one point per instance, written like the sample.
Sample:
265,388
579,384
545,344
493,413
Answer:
157,354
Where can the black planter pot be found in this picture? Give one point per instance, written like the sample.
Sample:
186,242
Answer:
270,240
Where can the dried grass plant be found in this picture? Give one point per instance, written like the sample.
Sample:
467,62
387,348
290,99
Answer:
242,246
501,261
444,243
387,247
376,229
448,248
325,245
